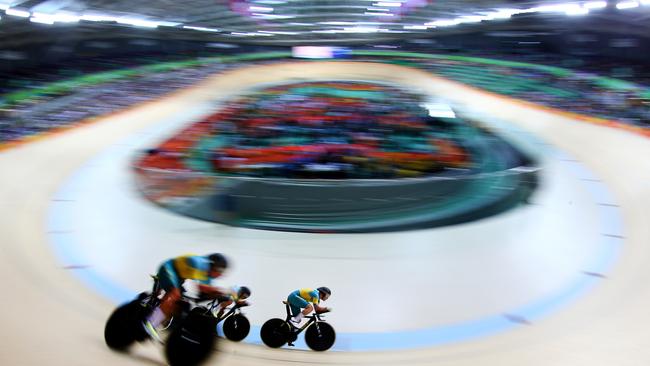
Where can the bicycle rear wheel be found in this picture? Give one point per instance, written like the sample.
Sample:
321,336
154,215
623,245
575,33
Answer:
275,332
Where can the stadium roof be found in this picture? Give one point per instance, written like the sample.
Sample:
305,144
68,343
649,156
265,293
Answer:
306,21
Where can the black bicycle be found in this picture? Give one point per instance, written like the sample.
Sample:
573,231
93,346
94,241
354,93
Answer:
124,326
319,335
235,324
194,333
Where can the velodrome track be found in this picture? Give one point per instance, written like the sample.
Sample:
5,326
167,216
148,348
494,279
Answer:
54,307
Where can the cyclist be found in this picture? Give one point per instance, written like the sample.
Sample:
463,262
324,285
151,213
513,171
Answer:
237,294
307,300
171,276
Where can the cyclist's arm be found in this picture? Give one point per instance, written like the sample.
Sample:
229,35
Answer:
211,291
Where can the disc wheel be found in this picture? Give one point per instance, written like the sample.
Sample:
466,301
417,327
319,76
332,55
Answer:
182,349
320,336
275,333
192,341
236,327
120,330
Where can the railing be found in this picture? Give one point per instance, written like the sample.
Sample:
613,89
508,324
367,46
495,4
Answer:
356,205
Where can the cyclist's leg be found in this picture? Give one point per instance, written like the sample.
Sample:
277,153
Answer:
170,283
169,302
297,303
222,306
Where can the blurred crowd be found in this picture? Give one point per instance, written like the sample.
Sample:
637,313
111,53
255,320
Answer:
333,130
578,92
48,112
35,77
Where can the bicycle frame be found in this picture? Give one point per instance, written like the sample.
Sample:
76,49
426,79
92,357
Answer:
312,319
235,309
153,301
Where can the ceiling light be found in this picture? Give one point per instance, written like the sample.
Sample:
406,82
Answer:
577,11
17,13
561,8
326,31
66,18
137,22
280,32
527,11
263,9
595,5
493,16
361,29
380,14
502,14
59,17
336,23
98,18
272,16
415,27
41,20
201,29
388,4
377,9
168,24
444,23
627,5
391,31
470,19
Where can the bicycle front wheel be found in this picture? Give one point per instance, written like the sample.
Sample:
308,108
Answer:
236,327
320,336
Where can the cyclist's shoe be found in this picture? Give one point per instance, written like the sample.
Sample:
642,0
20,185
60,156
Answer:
294,322
290,344
151,331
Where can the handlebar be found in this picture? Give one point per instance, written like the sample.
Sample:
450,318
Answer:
200,299
317,315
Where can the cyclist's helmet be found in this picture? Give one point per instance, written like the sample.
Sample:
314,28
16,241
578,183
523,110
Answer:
218,261
243,292
324,290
